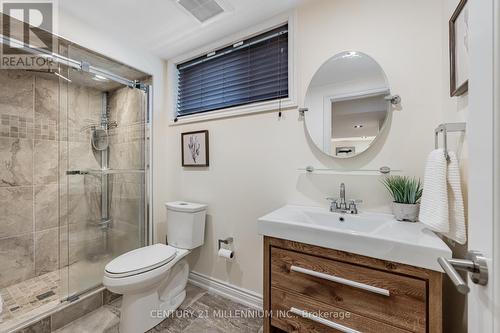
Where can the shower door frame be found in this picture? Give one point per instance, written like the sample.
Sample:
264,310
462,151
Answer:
149,229
148,126
149,233
148,181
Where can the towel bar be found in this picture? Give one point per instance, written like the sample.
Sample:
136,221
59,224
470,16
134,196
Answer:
445,128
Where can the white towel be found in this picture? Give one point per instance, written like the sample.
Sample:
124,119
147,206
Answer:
457,230
434,202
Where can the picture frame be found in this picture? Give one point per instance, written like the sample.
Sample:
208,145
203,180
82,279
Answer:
195,149
459,50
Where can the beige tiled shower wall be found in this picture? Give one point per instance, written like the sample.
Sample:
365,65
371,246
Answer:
127,108
44,132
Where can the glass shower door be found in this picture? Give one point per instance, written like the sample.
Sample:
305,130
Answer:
105,177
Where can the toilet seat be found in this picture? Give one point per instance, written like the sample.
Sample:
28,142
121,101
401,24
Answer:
140,261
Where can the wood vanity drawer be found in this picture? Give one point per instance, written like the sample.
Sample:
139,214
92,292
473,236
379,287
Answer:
394,299
288,306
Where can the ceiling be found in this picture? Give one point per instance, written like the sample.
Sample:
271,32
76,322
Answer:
165,29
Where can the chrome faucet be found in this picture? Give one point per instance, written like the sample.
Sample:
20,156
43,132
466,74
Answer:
340,205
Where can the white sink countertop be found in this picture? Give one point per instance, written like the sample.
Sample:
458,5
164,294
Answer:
370,234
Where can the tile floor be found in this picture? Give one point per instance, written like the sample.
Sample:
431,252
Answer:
200,312
22,298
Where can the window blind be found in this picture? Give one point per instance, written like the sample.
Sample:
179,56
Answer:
253,70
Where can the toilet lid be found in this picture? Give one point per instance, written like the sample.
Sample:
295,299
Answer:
183,206
141,260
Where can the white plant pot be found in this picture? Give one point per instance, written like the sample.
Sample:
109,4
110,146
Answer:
405,212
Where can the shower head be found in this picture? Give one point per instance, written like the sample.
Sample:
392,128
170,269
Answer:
99,139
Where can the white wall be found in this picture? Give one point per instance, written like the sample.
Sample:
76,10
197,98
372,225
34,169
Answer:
253,159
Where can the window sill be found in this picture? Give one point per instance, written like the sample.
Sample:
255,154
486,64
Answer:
237,111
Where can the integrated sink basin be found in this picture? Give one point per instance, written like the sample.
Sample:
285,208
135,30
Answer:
369,234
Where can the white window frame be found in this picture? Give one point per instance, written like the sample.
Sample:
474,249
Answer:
257,107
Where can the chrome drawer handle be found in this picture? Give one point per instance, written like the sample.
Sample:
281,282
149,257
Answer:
340,280
331,324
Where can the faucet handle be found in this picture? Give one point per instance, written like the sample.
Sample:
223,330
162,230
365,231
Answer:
353,205
333,203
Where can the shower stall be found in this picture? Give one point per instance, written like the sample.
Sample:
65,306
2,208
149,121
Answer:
75,185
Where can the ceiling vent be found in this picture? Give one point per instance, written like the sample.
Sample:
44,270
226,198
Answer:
203,10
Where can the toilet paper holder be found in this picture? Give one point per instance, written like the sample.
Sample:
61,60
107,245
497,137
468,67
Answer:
226,241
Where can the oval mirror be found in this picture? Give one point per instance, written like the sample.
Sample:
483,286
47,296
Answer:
346,103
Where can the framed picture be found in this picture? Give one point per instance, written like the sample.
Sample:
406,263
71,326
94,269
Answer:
194,147
459,50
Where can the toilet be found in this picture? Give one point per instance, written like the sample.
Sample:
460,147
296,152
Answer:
153,279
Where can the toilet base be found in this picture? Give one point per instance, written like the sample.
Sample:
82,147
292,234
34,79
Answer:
133,318
144,310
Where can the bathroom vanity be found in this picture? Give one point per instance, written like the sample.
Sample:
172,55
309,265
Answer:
329,272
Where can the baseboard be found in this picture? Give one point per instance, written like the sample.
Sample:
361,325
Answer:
224,289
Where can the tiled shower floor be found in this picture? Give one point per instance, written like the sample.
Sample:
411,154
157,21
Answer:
43,293
37,294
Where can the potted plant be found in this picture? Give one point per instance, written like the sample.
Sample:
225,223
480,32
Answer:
406,193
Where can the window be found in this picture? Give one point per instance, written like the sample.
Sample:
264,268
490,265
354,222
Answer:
253,70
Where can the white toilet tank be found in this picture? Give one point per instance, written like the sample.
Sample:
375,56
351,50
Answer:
185,224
